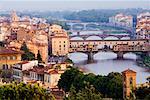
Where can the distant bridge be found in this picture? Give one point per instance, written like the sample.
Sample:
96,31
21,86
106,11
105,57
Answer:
84,26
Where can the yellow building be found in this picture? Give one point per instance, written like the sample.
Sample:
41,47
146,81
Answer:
8,57
59,41
129,82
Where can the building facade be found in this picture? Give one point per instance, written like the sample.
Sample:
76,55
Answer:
143,26
8,57
19,70
59,41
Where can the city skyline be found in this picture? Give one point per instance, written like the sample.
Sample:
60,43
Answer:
59,5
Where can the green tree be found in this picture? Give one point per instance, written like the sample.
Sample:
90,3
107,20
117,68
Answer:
109,86
27,54
39,58
67,79
24,92
143,93
87,93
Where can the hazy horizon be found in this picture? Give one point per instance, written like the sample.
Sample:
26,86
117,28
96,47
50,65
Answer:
59,5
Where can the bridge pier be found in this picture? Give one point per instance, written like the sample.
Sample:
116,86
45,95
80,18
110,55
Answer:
120,55
90,57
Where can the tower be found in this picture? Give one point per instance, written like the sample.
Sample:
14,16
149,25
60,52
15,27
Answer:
129,82
14,17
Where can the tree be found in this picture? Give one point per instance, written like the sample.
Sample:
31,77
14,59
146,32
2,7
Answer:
23,91
67,78
27,54
143,93
39,58
87,93
24,47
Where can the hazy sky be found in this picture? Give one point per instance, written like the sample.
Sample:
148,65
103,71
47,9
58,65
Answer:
72,4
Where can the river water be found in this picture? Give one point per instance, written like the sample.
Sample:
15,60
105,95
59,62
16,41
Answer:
106,62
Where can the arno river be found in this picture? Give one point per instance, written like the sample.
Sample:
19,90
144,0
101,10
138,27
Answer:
106,62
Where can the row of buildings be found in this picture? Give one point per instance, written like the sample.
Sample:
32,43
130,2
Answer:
39,37
47,75
143,26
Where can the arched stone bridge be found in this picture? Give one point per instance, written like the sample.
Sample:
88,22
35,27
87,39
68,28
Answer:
90,47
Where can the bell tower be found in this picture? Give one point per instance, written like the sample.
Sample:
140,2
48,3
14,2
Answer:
14,17
129,82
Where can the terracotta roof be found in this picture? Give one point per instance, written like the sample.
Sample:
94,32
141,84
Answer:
39,70
9,51
52,71
128,71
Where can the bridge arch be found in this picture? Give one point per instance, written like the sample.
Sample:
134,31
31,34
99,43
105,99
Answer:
111,38
125,38
130,55
91,25
105,55
77,38
78,26
93,38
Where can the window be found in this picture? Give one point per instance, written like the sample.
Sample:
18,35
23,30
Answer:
14,57
131,80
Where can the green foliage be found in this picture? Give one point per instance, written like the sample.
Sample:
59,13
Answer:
143,93
100,15
24,92
109,86
39,58
24,47
87,93
146,61
27,54
67,78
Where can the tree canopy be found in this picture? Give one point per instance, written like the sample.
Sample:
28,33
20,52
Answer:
87,93
24,92
108,86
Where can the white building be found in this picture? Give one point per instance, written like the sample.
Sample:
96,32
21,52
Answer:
23,66
121,19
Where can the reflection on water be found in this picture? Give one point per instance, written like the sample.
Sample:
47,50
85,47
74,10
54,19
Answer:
106,62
